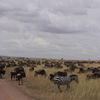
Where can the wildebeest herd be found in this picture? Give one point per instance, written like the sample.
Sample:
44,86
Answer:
59,77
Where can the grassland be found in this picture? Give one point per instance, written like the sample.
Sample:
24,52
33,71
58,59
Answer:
39,87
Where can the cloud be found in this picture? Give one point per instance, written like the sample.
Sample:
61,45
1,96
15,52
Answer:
54,17
30,44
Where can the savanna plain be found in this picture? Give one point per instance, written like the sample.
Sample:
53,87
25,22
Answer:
39,87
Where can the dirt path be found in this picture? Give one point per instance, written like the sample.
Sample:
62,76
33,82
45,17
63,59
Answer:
9,92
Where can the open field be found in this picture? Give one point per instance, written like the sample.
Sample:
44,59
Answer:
39,87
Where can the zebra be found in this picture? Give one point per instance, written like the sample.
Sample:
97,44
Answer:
60,80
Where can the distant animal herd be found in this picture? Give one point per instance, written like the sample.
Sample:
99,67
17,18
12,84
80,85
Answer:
59,77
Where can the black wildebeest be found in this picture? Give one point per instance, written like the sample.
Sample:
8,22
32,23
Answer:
2,72
15,71
19,76
59,73
40,72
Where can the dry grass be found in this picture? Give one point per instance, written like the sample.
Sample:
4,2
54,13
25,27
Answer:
39,87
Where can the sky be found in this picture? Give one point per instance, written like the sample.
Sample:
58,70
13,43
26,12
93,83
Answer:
52,29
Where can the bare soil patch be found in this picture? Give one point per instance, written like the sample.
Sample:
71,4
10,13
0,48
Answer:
9,92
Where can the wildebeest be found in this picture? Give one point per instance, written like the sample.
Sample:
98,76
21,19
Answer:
59,73
60,80
15,71
2,66
2,72
95,70
19,76
40,72
93,75
81,70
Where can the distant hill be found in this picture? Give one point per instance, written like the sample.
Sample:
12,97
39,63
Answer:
12,57
6,57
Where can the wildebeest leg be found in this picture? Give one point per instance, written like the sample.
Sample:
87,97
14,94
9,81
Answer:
21,80
11,77
0,76
14,77
59,88
18,81
52,87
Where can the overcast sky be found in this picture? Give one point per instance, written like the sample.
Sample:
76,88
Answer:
56,29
